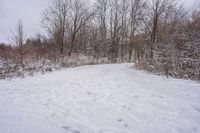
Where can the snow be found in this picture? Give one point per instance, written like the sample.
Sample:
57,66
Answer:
99,99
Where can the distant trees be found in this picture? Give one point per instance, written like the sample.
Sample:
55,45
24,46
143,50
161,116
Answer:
157,35
117,23
63,19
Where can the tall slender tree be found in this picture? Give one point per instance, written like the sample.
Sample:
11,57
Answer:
18,40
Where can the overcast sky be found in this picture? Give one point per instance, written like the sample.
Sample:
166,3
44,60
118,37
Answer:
30,13
27,10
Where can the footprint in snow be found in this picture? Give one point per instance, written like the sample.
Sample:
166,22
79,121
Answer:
161,97
196,108
136,97
126,107
70,130
125,125
120,120
89,93
156,96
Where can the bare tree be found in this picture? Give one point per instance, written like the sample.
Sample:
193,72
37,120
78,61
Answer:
136,15
78,17
18,39
123,47
55,20
101,15
155,9
115,28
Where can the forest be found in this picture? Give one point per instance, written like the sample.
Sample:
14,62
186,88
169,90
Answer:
159,36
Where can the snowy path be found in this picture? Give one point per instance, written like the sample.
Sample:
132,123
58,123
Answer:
99,99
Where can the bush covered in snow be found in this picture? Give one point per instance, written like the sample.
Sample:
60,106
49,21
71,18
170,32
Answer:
10,69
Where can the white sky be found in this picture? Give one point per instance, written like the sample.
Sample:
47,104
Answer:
30,13
27,10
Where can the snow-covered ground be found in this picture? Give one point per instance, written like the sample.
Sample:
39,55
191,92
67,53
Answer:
99,99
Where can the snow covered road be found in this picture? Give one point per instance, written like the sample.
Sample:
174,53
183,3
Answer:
99,99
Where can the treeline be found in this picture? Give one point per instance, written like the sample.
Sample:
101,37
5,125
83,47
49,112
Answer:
160,36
